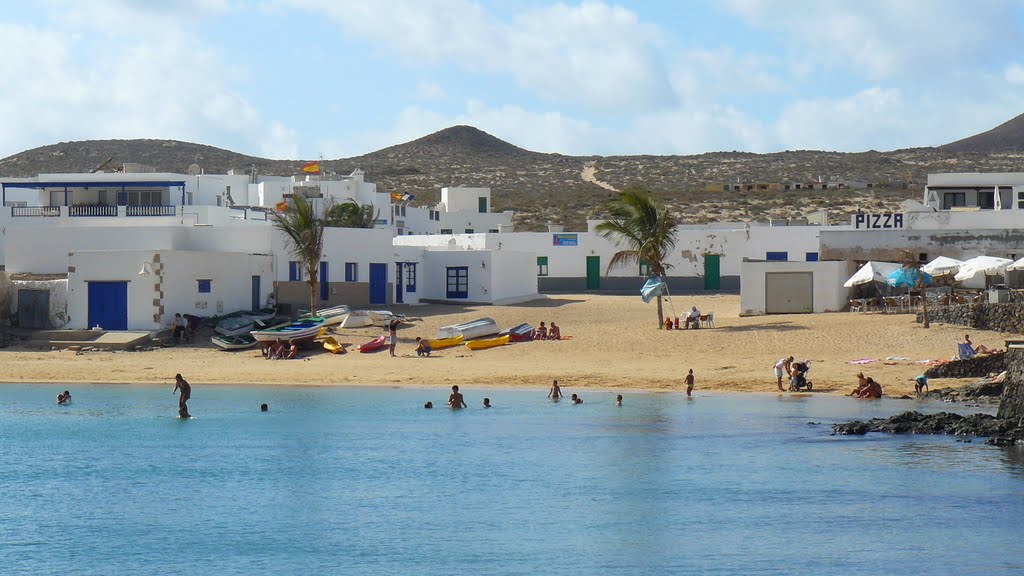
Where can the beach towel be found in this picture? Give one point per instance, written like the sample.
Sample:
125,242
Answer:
898,358
862,361
965,351
930,362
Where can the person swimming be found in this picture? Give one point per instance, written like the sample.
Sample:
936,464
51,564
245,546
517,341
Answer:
428,405
264,407
576,399
64,399
487,402
618,400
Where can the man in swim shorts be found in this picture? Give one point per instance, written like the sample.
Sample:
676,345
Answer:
456,400
186,393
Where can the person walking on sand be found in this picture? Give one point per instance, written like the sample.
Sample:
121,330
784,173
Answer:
186,393
392,336
456,400
689,382
556,392
784,367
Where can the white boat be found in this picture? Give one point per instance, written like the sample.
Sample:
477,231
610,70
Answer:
334,315
234,342
235,325
302,330
364,318
261,315
469,330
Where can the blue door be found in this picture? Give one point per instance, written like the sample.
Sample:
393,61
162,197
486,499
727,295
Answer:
255,292
108,305
325,292
378,283
399,298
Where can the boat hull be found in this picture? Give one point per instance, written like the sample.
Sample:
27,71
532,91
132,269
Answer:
487,343
302,330
378,343
521,333
235,326
469,330
233,342
334,315
441,344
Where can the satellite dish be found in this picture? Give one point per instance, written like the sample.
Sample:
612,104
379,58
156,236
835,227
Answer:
193,170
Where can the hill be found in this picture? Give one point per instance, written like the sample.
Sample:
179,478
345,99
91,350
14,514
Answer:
554,188
1007,137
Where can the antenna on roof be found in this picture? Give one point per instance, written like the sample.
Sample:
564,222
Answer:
194,170
102,165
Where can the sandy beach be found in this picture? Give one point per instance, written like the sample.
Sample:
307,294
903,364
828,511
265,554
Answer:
614,345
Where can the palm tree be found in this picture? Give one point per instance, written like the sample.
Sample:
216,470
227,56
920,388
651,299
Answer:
645,229
303,230
351,214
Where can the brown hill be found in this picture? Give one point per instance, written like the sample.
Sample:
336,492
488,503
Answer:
1007,137
553,188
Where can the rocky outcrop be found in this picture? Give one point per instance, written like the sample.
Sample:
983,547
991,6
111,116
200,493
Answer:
977,367
984,316
982,392
999,431
1011,405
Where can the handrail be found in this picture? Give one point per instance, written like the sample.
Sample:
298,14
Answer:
83,210
151,210
35,211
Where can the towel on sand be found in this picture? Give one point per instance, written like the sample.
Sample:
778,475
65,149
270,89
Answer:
862,361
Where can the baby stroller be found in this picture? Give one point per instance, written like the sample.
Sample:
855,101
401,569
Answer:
798,381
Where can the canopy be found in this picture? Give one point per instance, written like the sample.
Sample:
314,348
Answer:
942,266
872,272
908,278
1018,265
987,265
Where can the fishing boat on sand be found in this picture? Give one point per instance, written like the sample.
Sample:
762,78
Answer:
334,315
469,330
364,318
521,333
302,330
240,342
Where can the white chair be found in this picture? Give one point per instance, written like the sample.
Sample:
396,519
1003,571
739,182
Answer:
707,320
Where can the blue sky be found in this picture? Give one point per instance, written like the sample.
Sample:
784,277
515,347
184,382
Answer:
305,78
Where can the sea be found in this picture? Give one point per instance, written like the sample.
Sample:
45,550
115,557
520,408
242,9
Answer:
353,480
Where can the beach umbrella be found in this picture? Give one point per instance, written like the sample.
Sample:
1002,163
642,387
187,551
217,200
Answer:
1018,265
987,265
907,278
872,272
942,266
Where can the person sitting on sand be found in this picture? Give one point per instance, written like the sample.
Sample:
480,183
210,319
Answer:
487,402
870,389
920,384
618,400
980,348
576,399
64,398
541,333
275,350
293,350
555,333
179,328
862,384
556,392
422,347
693,319
265,348
456,400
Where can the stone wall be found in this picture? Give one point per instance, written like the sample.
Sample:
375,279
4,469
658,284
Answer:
1012,403
976,367
984,316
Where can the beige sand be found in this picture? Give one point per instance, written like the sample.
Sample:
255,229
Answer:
614,345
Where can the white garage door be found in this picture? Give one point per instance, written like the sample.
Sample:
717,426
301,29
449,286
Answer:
789,292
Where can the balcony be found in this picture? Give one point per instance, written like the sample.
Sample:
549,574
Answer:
89,210
151,210
92,211
32,211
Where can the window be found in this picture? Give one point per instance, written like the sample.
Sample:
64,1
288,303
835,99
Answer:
469,230
434,215
922,257
410,277
542,265
446,230
294,271
812,257
986,200
482,204
1020,201
953,199
645,268
143,197
205,286
351,272
492,231
776,256
458,282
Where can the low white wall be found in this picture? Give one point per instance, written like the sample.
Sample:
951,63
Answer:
512,276
828,277
58,290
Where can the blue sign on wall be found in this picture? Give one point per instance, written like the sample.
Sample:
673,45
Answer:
565,239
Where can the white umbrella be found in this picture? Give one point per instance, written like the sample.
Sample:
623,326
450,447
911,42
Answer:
1018,265
942,266
987,265
872,272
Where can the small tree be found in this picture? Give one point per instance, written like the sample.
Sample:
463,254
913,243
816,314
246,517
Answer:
303,230
351,214
645,228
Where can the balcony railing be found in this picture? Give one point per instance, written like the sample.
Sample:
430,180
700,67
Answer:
151,210
35,210
92,210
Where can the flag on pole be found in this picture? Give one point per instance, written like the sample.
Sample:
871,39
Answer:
311,167
396,197
652,288
404,197
408,197
281,206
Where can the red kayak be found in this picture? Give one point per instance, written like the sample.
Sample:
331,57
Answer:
521,333
373,345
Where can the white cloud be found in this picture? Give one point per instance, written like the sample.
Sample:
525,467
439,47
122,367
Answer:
280,142
861,122
430,91
1014,73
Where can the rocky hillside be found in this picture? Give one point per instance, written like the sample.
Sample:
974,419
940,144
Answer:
1007,137
552,188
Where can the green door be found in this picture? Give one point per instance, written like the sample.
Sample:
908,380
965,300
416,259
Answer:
593,272
712,272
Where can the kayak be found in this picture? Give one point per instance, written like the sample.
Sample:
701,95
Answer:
333,346
521,333
374,345
487,343
441,343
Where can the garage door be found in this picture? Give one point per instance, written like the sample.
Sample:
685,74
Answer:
789,292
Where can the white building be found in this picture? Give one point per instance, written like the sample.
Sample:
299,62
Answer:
462,210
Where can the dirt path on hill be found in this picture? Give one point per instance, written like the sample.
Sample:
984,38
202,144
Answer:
589,174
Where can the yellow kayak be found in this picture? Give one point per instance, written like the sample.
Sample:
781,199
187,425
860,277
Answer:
333,346
487,343
438,344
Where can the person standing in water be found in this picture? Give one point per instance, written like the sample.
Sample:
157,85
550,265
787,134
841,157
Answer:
456,400
64,399
689,383
556,393
186,393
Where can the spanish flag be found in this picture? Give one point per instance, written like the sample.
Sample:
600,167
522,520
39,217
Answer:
311,167
395,197
281,206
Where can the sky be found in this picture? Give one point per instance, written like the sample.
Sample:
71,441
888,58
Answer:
302,79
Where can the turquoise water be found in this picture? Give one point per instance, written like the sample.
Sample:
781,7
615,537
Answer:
365,481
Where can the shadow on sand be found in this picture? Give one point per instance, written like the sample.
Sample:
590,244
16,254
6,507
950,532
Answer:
770,326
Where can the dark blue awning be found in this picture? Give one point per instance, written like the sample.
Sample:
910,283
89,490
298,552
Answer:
96,184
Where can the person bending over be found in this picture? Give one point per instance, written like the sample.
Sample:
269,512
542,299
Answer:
422,347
